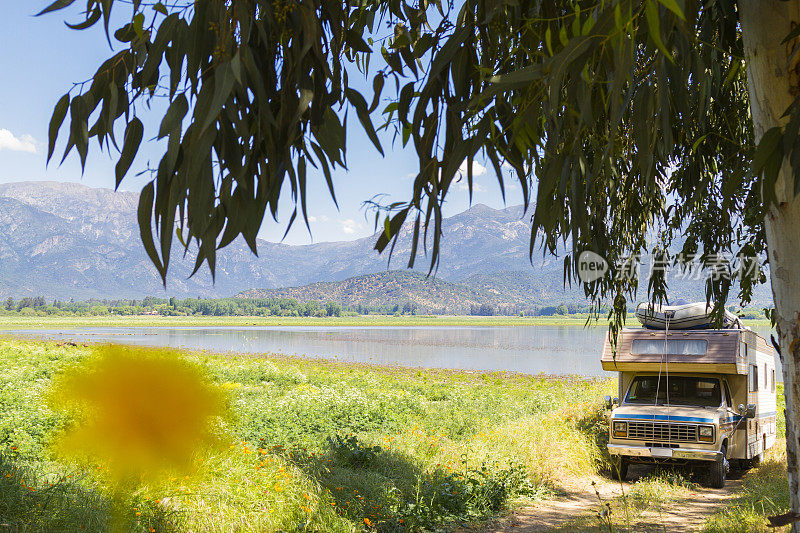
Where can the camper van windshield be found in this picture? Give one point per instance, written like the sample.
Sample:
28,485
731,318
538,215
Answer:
683,390
673,346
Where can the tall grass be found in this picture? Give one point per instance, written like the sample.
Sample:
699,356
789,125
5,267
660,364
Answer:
313,446
764,493
661,489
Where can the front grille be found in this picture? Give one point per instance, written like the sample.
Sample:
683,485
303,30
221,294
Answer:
654,431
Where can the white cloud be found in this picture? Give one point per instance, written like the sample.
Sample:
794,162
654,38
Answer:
312,219
23,143
477,169
476,187
324,218
349,226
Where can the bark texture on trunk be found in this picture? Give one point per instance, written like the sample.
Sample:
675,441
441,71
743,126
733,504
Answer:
773,84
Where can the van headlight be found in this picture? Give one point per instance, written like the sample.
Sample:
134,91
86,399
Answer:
620,429
705,433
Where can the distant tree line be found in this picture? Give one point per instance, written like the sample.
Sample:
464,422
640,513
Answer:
281,307
172,307
487,309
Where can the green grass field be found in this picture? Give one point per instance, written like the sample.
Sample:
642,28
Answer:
328,446
312,446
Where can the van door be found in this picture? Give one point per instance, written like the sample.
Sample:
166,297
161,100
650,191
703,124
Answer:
732,451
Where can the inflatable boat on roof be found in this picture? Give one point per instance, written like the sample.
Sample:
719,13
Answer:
695,315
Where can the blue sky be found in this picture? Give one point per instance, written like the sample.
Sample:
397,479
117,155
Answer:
41,60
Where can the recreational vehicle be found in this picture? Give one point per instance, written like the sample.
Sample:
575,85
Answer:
702,397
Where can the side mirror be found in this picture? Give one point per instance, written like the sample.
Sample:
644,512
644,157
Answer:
608,402
749,411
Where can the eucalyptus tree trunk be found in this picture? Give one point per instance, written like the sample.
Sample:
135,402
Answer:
773,84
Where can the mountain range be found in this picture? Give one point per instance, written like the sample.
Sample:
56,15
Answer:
66,240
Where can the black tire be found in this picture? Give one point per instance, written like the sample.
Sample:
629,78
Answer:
718,471
619,469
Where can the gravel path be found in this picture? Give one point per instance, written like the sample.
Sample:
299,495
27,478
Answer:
576,509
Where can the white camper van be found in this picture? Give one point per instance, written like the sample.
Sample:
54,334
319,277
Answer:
698,396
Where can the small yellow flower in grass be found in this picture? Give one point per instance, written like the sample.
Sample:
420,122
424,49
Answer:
368,522
141,411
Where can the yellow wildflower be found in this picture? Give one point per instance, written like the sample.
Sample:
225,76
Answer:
145,410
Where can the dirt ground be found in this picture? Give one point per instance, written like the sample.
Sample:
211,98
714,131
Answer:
576,510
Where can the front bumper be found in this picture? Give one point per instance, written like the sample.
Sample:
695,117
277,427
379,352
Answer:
664,453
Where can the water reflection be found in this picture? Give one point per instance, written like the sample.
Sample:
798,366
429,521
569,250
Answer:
527,349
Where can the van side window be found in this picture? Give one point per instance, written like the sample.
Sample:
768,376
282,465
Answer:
773,380
753,378
727,394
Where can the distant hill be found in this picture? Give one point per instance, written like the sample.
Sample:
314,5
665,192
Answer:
381,289
428,294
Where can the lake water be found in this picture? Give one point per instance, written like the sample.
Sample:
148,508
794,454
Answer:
526,349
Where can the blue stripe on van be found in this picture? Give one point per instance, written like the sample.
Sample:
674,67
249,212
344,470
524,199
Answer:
668,418
735,418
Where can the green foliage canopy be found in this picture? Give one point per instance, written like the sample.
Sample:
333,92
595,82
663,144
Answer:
632,115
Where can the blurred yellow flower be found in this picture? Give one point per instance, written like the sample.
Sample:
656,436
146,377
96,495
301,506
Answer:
141,411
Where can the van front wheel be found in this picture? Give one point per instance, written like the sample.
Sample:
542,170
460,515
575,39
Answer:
718,471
